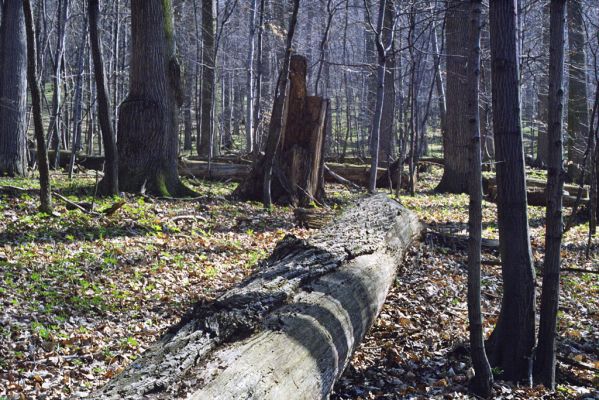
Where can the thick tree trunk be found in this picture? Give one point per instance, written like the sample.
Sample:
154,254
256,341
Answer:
148,140
512,342
578,110
482,382
110,183
456,139
208,65
13,90
36,105
545,355
289,331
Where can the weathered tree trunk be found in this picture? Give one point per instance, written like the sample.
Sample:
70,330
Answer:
289,331
482,382
208,74
542,143
298,164
55,120
456,139
148,140
78,101
387,130
545,355
110,183
578,110
249,117
36,104
13,90
512,342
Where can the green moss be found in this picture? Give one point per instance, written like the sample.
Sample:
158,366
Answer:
169,29
161,182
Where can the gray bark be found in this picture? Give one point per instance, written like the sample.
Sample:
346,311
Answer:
289,331
545,360
13,90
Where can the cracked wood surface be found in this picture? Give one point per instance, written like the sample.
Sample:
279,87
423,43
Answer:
289,330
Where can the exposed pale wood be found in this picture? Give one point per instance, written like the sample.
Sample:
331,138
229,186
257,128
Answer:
288,331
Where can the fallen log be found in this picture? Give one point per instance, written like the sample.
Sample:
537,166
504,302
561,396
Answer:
289,331
535,184
84,160
216,171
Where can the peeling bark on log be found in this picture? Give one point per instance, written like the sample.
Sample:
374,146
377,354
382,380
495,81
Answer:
289,331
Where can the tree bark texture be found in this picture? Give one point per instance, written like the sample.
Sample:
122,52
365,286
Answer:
289,331
482,382
456,139
542,143
578,110
13,90
298,166
208,74
36,105
110,182
545,355
511,343
148,140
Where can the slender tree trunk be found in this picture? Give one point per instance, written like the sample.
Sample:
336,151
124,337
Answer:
258,79
13,90
542,143
511,343
78,102
36,103
110,183
545,359
208,74
482,382
578,110
383,42
387,142
277,124
249,117
55,120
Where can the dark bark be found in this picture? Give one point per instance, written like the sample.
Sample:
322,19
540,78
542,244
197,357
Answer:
13,90
148,140
36,104
578,111
542,143
299,319
545,355
482,382
110,182
208,74
456,139
511,343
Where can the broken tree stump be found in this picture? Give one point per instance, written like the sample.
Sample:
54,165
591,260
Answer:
289,331
298,176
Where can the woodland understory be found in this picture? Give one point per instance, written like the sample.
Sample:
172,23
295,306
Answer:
83,294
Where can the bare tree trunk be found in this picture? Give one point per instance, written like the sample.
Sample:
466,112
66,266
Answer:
208,74
258,79
545,356
578,110
542,142
456,139
249,117
482,382
13,90
110,183
277,122
148,139
511,343
36,103
78,101
55,120
383,41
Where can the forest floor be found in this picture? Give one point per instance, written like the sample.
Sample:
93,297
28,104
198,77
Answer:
82,295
